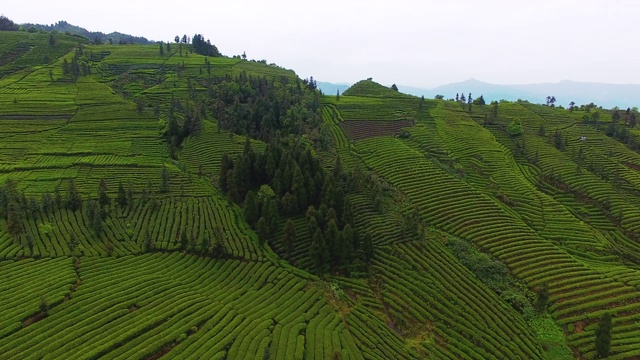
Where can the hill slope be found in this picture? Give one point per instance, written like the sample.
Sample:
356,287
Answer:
156,204
113,37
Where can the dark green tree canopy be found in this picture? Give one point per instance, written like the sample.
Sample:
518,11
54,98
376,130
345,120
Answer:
7,24
204,47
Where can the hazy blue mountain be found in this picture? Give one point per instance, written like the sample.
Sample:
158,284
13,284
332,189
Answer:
115,37
605,95
330,88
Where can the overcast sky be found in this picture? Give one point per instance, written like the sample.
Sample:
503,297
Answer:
415,43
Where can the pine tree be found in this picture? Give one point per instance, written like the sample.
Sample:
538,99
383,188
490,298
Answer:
250,208
347,241
289,237
603,336
333,241
121,200
318,252
14,220
161,49
367,246
130,193
312,225
74,200
262,230
164,179
103,198
298,189
223,179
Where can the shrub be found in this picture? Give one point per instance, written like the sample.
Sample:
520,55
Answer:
515,128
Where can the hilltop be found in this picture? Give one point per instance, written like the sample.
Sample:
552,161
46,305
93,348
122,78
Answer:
606,95
159,203
113,37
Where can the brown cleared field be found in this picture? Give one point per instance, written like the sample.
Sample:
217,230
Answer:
363,129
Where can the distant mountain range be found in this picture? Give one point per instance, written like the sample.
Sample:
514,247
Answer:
605,95
114,37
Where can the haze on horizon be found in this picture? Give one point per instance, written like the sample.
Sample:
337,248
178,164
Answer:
413,43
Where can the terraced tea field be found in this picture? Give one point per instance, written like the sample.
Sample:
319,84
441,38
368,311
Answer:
167,266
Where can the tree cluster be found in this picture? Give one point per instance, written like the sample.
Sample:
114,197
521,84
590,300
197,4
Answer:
78,65
492,116
551,100
618,128
204,47
7,24
182,121
260,107
288,167
285,180
559,141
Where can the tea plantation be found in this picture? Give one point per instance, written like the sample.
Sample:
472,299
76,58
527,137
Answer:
129,177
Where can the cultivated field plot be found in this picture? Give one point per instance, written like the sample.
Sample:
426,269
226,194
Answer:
174,306
363,129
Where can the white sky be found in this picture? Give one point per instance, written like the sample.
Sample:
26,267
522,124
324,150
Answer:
414,43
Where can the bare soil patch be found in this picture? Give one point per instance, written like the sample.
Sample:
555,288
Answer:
363,129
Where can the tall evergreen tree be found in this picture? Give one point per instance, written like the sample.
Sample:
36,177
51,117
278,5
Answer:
14,220
74,200
289,237
250,208
103,197
318,252
333,241
347,240
263,230
121,200
603,336
164,179
367,246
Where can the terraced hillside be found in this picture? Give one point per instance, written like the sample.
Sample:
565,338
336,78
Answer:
123,235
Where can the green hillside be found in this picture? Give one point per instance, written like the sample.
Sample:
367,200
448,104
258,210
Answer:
157,203
371,88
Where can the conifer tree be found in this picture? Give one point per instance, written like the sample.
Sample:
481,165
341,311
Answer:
318,252
14,220
250,208
347,240
603,336
289,237
74,200
367,246
333,241
103,197
164,179
130,193
121,200
263,230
